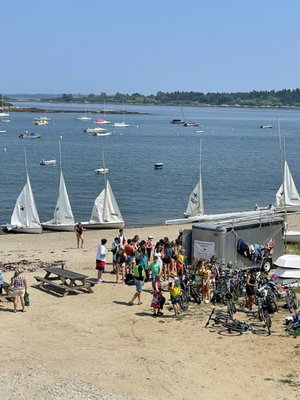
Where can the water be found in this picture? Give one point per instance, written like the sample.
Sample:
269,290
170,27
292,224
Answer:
240,162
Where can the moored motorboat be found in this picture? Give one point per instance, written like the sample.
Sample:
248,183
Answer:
95,130
120,125
101,171
158,165
27,135
101,121
48,162
177,121
101,133
190,123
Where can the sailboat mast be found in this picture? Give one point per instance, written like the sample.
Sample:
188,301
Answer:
200,175
104,218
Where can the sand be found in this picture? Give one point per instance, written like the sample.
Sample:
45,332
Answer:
95,346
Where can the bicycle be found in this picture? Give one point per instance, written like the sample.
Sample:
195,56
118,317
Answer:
190,288
291,299
227,325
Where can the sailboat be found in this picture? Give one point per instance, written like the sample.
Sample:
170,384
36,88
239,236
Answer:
287,196
63,219
105,213
195,204
195,208
83,117
25,218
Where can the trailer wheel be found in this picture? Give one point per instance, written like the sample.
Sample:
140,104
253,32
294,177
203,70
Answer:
266,264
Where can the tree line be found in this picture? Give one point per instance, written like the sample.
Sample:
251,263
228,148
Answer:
281,98
272,98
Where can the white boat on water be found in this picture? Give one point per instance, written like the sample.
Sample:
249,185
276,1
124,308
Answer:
102,133
190,124
266,126
84,117
27,135
48,162
101,171
120,125
105,213
288,267
63,219
95,130
25,218
41,122
3,113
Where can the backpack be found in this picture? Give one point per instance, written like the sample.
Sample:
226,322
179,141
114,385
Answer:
169,251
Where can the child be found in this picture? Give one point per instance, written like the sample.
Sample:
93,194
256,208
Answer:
174,287
158,299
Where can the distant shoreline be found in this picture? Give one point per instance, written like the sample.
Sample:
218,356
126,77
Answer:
39,110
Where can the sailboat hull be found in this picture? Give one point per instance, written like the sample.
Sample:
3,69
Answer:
58,227
103,225
18,229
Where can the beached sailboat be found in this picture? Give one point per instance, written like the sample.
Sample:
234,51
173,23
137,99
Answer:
195,208
25,218
63,219
106,213
287,196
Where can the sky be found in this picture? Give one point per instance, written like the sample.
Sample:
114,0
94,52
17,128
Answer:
129,46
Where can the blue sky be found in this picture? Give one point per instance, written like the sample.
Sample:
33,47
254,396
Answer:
127,46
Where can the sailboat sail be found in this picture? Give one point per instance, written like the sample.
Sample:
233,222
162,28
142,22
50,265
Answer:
287,194
106,209
25,215
63,212
195,204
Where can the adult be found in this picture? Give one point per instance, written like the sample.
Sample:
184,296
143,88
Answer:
120,265
115,247
130,252
139,279
155,268
149,246
1,278
100,259
122,238
206,283
215,271
166,258
250,288
19,284
158,300
79,234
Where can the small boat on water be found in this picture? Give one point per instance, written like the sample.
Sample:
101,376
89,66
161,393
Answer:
158,165
190,123
199,131
48,162
27,135
177,121
95,130
266,126
101,133
101,171
41,121
120,125
102,121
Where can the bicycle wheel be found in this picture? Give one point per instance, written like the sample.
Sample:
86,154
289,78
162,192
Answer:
195,295
271,305
231,330
268,321
184,301
231,308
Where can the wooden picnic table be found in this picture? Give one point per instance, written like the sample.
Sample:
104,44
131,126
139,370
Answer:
65,280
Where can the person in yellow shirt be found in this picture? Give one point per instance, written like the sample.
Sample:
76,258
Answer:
206,283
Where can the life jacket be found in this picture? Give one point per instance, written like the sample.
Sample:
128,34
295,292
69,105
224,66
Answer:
136,271
175,291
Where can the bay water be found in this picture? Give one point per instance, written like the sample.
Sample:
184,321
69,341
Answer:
240,162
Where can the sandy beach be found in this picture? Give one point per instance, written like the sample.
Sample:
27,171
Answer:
95,346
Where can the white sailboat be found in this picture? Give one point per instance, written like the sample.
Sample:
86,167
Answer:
195,209
287,196
84,117
195,204
63,219
25,218
106,213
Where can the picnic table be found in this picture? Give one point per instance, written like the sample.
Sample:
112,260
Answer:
65,281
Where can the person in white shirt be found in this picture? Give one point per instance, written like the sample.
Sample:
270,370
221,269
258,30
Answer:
100,259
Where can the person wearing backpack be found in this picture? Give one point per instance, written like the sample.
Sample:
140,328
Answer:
166,259
115,247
